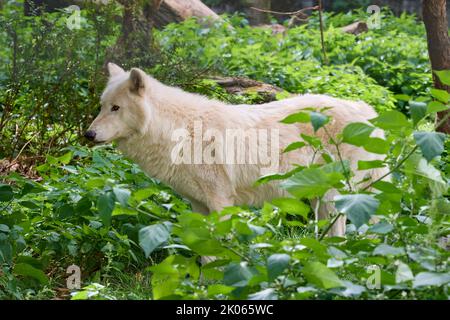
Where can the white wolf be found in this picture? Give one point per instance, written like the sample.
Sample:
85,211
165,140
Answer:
142,115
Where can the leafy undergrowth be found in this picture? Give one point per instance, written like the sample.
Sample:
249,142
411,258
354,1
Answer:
134,238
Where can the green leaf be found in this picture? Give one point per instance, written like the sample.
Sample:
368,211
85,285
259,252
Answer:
358,207
65,158
430,143
318,120
311,140
292,206
382,227
321,276
403,273
105,206
122,195
216,289
436,106
266,294
444,76
441,95
431,279
294,146
26,270
418,110
377,145
6,192
387,250
301,117
153,236
391,120
357,133
366,165
276,264
310,183
237,274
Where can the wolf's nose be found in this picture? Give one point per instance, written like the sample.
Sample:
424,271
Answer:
90,135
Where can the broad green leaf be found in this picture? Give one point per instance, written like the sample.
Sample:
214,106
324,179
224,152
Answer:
216,289
26,270
436,106
6,192
391,120
431,279
366,165
276,264
311,140
65,158
441,95
358,207
402,97
292,206
386,186
430,143
444,76
418,110
318,120
122,195
403,273
352,290
417,165
266,294
153,236
294,146
377,145
105,206
321,276
357,133
387,250
310,183
382,227
302,117
237,274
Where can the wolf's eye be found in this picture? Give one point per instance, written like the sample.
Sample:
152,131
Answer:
115,108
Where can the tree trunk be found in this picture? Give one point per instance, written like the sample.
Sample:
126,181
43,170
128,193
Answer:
435,20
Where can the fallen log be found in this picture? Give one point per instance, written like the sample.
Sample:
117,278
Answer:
356,28
177,11
165,11
246,86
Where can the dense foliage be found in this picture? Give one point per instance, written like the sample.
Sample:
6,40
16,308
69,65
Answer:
135,238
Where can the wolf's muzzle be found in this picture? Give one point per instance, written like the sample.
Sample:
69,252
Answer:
90,135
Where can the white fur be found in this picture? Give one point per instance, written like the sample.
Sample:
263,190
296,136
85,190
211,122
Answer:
147,118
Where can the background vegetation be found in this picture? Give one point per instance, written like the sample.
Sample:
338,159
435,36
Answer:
62,203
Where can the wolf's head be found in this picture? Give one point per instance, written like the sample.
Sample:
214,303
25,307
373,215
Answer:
125,107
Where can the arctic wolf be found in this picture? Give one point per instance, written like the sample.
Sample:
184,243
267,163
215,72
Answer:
158,126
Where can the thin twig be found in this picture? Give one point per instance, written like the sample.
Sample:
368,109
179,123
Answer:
324,233
291,13
322,40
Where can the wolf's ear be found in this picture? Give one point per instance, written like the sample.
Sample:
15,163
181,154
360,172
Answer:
114,69
137,79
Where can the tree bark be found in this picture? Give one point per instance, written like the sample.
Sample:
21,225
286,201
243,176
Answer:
435,20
